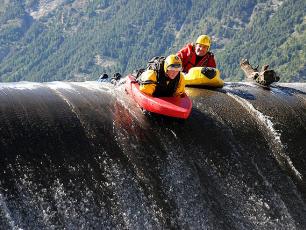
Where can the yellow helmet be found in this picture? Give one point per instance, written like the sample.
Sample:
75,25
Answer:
173,62
203,40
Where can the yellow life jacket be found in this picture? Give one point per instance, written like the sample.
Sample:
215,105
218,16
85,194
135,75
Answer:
203,76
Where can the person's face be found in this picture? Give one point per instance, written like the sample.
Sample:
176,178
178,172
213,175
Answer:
201,50
172,73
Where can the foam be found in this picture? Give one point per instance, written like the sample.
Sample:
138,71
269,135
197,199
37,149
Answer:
22,85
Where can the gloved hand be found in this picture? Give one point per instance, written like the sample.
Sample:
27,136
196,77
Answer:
116,76
103,77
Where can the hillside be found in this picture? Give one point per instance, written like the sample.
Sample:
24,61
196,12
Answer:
46,40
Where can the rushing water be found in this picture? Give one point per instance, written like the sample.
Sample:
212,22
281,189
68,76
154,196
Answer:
84,156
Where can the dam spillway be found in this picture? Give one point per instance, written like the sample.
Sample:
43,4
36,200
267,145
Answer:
84,156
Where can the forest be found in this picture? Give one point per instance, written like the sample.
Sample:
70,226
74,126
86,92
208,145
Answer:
77,40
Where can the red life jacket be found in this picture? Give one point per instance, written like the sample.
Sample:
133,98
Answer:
188,57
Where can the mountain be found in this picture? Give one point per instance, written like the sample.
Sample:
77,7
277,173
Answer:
46,40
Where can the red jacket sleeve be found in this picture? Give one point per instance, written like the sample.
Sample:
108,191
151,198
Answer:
186,55
182,54
186,51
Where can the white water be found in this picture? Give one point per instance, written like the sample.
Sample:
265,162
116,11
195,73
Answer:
267,122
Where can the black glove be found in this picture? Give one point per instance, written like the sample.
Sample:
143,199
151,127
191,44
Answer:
209,72
104,76
116,76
